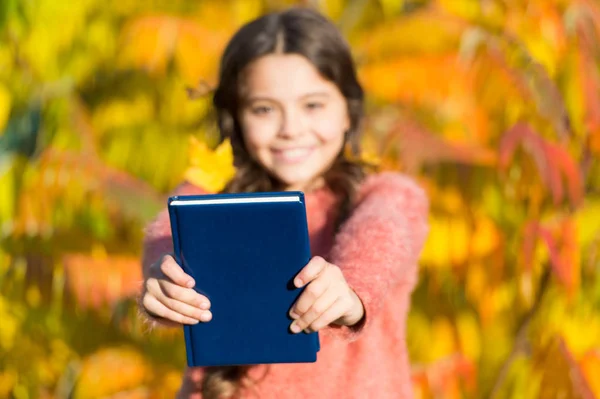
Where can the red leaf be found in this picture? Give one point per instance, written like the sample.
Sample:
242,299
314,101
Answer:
553,161
535,145
419,146
567,165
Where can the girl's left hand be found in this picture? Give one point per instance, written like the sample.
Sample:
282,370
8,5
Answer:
327,299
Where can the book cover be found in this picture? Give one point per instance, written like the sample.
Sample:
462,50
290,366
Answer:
244,250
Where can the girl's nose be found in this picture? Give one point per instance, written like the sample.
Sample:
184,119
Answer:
292,124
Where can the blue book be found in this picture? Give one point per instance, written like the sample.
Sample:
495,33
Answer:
243,251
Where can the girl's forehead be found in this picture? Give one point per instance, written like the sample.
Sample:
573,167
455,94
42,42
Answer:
284,76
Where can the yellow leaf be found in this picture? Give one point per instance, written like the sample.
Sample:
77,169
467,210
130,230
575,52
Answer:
485,238
588,232
404,35
123,113
332,8
466,9
98,377
5,104
469,335
442,343
8,379
246,10
9,327
208,169
391,7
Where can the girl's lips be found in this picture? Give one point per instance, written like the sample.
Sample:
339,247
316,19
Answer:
292,155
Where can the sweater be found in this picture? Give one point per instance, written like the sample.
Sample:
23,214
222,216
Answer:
377,249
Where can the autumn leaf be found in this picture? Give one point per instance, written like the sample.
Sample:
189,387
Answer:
562,245
561,372
403,35
209,169
419,146
151,42
444,377
110,371
555,165
590,367
99,279
5,105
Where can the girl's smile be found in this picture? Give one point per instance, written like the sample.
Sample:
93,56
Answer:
292,155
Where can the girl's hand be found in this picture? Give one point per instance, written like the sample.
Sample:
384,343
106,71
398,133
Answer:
327,298
169,297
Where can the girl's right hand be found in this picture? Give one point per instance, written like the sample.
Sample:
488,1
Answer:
168,295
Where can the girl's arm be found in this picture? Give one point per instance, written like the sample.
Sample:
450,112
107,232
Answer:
157,243
379,245
157,238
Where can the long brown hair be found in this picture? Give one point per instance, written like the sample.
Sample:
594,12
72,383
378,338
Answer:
294,31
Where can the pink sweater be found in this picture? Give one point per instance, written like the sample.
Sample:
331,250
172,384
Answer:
377,249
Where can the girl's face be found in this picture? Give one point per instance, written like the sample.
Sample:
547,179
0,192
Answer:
293,120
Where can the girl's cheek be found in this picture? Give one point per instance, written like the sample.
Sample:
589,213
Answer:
329,129
259,132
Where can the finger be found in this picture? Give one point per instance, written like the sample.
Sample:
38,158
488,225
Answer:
185,295
172,270
335,311
311,271
308,297
320,306
155,290
154,307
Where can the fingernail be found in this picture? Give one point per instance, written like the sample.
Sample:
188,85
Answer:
204,305
298,282
190,283
295,328
294,315
206,316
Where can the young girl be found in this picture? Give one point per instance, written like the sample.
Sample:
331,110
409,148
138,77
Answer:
289,100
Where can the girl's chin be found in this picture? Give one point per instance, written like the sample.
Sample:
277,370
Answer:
305,185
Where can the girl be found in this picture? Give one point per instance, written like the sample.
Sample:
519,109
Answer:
289,100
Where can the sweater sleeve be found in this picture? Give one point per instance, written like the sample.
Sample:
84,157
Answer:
379,245
158,242
157,235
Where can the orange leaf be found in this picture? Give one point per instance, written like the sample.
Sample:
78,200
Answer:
99,279
111,371
444,377
590,366
151,42
561,373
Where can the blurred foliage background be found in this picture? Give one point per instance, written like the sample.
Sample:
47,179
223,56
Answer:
493,105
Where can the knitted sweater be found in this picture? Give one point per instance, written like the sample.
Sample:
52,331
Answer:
377,249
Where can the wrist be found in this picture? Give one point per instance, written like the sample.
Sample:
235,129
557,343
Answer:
355,314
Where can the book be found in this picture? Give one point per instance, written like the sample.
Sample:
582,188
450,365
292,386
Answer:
243,251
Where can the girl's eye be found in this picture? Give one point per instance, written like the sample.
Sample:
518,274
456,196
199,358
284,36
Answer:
314,105
261,110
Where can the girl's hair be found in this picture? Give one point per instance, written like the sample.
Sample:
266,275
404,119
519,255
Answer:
294,31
